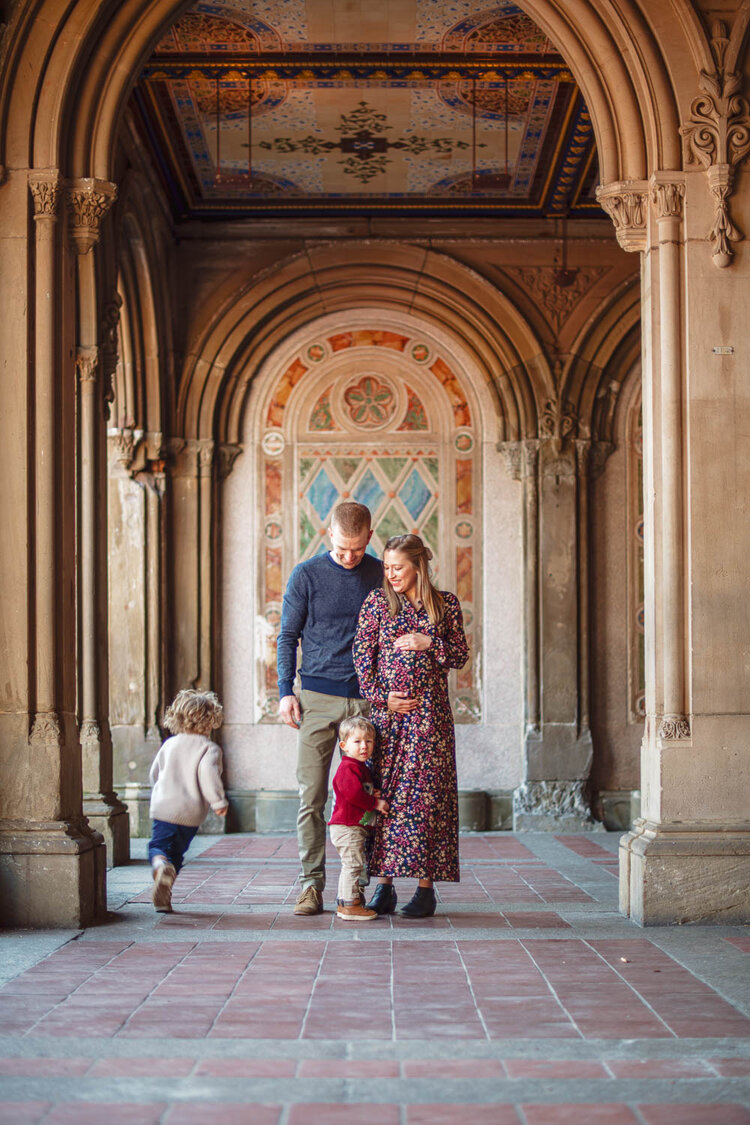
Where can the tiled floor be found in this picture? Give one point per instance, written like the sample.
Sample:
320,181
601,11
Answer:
526,1000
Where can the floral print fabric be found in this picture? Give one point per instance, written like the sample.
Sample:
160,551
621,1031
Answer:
415,754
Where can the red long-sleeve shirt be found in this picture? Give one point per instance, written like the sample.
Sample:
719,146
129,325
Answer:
352,799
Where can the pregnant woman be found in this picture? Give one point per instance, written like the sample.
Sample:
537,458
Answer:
409,636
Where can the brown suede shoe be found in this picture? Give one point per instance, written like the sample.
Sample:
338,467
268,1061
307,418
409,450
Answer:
309,901
355,913
161,895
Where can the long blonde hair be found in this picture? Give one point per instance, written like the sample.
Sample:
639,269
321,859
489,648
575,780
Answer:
419,556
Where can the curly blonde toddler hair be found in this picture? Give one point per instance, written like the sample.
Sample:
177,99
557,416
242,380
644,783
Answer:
194,712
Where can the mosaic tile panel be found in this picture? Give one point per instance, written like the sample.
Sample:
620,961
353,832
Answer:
415,417
377,455
464,487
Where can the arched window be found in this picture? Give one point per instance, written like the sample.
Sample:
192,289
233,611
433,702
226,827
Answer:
385,417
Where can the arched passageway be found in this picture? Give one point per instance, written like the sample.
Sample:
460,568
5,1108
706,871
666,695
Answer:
546,377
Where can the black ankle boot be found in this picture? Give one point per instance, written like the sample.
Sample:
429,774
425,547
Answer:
384,900
421,905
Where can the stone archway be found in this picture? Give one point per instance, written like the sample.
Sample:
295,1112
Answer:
59,145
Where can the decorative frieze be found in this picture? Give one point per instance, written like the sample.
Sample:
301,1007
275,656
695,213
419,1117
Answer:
552,798
88,202
625,201
717,135
45,192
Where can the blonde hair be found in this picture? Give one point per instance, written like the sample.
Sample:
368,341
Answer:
351,518
356,722
194,712
419,556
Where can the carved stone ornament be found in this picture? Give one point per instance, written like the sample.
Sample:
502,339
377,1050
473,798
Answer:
625,201
87,362
512,454
123,443
45,730
554,798
90,734
45,191
228,453
559,302
109,350
558,422
717,134
88,203
667,196
673,727
205,454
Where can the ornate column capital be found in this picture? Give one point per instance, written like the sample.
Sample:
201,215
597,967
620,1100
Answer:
673,728
228,452
205,456
88,202
87,363
625,203
44,185
521,457
123,443
667,194
716,136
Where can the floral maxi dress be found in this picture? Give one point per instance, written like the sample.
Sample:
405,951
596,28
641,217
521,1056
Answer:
415,755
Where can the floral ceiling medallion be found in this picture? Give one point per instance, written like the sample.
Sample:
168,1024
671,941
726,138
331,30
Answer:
370,402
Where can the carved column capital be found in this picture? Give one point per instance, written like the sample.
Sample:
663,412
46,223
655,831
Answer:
558,423
123,443
88,202
667,195
87,363
673,727
204,450
44,186
228,452
521,458
625,202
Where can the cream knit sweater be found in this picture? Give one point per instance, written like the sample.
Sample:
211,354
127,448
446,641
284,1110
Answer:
186,780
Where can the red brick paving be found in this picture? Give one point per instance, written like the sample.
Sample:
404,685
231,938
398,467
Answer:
429,985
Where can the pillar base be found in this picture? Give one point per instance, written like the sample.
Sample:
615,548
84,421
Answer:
672,874
52,874
553,806
109,817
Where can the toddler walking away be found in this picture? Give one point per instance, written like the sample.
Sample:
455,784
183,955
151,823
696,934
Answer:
355,805
186,780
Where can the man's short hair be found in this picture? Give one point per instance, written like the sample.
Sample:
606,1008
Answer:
351,518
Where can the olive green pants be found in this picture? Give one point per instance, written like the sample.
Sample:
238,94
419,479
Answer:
316,741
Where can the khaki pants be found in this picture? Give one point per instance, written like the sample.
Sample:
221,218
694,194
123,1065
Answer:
349,842
316,741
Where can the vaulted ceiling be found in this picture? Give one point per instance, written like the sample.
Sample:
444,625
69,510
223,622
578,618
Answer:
437,106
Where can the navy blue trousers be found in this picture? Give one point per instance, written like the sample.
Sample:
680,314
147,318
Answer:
171,840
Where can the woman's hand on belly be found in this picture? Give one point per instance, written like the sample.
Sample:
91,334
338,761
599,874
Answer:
401,702
412,642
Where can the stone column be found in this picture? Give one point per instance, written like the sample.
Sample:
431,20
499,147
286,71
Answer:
52,865
557,751
687,858
88,202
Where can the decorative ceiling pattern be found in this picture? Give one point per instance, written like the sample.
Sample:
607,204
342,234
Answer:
252,106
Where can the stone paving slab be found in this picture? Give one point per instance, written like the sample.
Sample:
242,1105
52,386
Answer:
527,999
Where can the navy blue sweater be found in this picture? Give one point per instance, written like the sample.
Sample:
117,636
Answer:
321,608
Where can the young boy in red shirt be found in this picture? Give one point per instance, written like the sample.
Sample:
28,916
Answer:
355,805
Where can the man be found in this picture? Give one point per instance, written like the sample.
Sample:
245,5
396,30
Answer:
321,605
